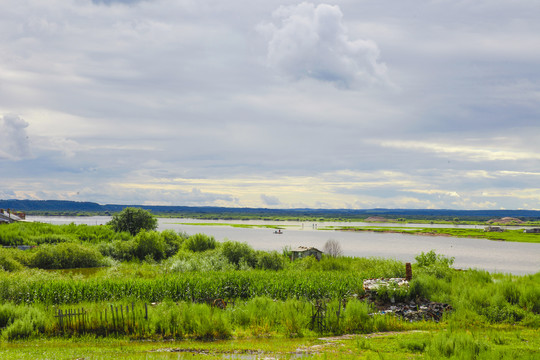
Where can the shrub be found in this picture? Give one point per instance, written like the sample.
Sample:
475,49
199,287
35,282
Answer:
8,262
24,322
260,314
19,329
438,265
235,252
173,242
356,317
294,317
119,249
530,299
149,244
10,312
270,260
66,256
200,242
431,258
206,261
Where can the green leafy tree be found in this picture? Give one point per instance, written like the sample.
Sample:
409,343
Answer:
133,220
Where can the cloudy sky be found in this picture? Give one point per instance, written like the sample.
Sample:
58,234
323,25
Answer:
251,103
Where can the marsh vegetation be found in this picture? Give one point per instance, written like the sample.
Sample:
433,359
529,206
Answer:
173,286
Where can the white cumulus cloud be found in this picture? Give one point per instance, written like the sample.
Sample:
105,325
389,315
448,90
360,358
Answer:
14,143
270,200
309,41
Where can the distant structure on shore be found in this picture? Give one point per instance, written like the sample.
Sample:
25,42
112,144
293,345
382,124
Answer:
303,251
8,216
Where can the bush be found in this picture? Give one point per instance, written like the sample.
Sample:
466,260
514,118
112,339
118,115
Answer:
210,260
145,245
356,317
119,250
236,252
66,256
260,314
295,316
149,244
200,242
173,242
22,322
133,220
8,262
433,264
10,312
270,260
431,258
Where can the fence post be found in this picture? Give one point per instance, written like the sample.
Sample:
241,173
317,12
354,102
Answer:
60,320
112,315
117,322
122,313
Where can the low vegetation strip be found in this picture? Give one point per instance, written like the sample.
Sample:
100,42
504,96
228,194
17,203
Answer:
507,235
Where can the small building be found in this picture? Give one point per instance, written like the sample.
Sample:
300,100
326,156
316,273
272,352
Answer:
493,229
8,216
532,231
304,251
4,219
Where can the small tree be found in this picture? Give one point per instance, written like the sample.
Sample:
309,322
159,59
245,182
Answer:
133,220
333,248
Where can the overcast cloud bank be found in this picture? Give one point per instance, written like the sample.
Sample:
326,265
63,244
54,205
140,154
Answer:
350,104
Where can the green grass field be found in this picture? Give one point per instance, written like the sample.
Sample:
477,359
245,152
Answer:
161,294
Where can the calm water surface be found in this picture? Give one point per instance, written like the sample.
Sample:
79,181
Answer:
494,256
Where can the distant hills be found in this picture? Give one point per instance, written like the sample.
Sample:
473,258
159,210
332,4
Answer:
62,207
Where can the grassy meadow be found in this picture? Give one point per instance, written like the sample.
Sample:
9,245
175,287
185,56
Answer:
88,292
516,235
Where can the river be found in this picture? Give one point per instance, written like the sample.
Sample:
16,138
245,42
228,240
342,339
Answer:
493,256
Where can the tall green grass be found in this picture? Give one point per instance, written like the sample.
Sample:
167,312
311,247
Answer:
260,316
19,288
23,233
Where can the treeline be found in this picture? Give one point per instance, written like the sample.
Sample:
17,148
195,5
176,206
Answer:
74,208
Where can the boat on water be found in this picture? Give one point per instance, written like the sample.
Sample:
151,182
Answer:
278,232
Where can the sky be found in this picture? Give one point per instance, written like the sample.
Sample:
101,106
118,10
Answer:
354,104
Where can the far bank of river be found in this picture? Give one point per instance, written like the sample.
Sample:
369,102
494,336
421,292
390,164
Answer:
493,256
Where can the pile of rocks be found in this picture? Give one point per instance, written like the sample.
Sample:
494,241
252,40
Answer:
418,310
425,310
372,286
